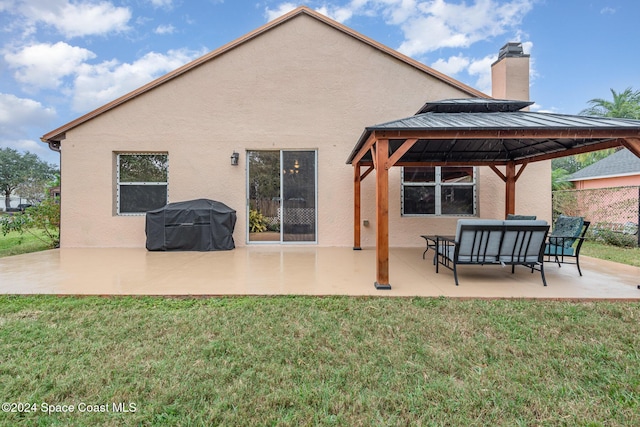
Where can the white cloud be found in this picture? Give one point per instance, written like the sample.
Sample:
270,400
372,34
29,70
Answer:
79,18
6,5
96,85
24,145
340,14
162,3
18,114
44,65
607,11
165,29
429,25
440,24
481,70
36,147
398,11
337,13
451,66
279,11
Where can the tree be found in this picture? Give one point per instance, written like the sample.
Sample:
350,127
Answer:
559,179
41,221
625,105
26,170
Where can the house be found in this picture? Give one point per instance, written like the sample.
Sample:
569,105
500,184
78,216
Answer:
620,169
607,192
264,125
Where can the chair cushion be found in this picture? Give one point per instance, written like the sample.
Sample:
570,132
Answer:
522,246
475,247
566,226
449,253
512,217
551,249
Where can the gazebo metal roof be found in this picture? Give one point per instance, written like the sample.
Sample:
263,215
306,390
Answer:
474,132
458,131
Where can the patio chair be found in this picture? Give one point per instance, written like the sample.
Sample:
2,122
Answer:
561,245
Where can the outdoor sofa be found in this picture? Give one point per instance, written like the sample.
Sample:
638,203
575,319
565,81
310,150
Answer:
494,242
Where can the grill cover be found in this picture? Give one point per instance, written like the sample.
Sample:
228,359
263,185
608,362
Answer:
194,225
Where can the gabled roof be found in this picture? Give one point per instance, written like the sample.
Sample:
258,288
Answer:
461,135
620,163
56,135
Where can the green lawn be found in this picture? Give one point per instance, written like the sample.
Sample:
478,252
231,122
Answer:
16,244
248,361
629,256
318,361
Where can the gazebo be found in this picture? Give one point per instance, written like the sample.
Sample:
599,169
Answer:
474,132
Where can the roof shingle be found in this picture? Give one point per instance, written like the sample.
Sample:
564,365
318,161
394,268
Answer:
620,163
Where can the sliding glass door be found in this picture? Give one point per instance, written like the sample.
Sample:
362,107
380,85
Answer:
282,189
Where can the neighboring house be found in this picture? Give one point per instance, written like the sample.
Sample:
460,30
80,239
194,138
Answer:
253,125
608,190
620,169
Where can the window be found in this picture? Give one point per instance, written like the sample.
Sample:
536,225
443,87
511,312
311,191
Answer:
142,182
439,190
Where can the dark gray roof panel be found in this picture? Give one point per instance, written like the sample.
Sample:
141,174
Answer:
473,105
569,132
622,162
508,120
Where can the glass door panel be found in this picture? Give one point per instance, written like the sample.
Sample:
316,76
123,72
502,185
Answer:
282,196
264,196
299,196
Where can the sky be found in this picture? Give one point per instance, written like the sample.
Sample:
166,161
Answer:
60,59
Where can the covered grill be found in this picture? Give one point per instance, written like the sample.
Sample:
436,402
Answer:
194,225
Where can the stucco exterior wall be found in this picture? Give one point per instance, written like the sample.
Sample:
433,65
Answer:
300,85
510,78
617,181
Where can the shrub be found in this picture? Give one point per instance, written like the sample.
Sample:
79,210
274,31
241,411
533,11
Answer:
44,217
257,222
614,238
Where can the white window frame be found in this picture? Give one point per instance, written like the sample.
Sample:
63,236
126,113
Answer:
439,185
119,183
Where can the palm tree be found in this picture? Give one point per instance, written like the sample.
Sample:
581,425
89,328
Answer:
625,105
559,180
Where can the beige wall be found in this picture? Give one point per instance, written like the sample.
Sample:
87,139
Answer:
510,78
301,85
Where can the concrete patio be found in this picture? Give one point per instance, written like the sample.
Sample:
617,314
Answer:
298,270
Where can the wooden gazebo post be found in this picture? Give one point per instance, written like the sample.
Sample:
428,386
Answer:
510,196
357,197
510,177
381,155
357,202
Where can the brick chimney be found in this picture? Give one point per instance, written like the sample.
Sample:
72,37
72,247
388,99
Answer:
510,73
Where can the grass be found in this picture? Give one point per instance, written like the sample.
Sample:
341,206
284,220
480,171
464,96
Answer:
15,244
630,256
321,361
